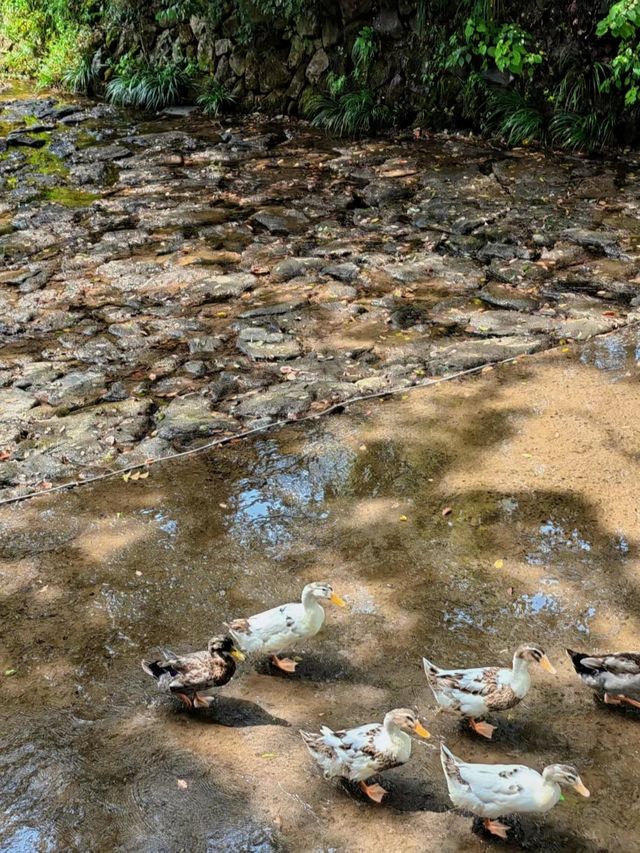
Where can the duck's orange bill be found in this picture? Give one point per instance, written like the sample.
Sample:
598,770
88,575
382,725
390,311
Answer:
237,654
545,663
335,599
581,788
420,730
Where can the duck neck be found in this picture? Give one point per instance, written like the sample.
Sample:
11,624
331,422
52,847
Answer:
394,732
521,680
551,787
310,602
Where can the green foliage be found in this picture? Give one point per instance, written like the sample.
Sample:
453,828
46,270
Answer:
350,107
178,11
589,132
43,38
79,78
623,22
485,45
363,52
214,97
515,119
146,85
349,114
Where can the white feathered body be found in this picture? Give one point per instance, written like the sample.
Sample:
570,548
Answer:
356,754
279,628
475,692
493,790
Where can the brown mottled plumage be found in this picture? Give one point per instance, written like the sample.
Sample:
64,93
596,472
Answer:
186,676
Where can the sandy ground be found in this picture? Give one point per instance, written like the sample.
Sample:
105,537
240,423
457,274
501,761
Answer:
539,465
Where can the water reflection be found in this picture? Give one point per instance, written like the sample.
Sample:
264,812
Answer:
285,488
553,540
617,353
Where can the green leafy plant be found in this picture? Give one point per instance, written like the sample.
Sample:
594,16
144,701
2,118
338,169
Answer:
348,114
178,11
589,132
214,97
80,77
623,22
146,85
514,118
363,52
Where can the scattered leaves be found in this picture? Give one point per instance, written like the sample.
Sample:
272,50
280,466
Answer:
403,518
4,454
268,755
446,511
9,672
182,784
137,475
499,564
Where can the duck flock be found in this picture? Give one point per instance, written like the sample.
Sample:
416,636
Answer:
490,791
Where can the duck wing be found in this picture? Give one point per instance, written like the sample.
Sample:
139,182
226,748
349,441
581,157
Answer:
282,625
614,672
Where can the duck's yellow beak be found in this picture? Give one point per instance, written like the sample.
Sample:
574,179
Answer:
545,663
419,729
581,788
335,599
237,654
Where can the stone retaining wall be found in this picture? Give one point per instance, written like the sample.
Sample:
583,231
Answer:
273,68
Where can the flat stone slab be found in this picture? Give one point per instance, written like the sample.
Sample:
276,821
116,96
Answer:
74,389
186,418
262,345
465,354
15,403
287,398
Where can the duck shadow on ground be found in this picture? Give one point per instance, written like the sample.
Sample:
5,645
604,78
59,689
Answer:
405,794
514,732
315,668
233,713
526,834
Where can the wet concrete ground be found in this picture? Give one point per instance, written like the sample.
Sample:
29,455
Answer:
539,464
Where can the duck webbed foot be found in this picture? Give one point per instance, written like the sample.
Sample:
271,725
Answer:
374,792
185,699
285,664
620,699
200,701
482,728
495,827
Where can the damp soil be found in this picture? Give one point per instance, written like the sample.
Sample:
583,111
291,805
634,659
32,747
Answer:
539,464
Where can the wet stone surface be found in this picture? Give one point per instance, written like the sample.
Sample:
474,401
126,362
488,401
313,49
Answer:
144,261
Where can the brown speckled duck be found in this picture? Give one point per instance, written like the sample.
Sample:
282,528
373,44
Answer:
356,754
474,693
189,676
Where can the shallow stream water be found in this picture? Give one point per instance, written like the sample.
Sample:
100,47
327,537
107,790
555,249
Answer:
539,463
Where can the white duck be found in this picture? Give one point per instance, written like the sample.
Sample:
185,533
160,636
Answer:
356,754
281,627
493,790
475,692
